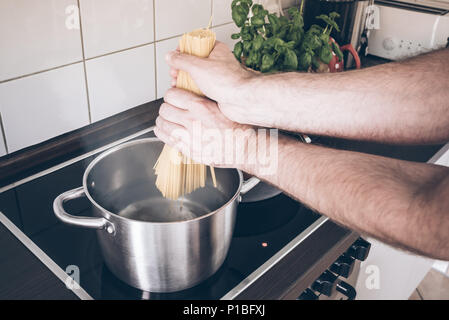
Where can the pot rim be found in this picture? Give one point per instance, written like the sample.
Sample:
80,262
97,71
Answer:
140,141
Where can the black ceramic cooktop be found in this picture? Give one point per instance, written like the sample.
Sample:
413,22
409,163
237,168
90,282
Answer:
261,230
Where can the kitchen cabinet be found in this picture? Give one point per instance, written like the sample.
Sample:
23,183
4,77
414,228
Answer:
390,273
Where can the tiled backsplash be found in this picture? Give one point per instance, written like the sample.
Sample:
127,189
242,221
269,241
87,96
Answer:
67,63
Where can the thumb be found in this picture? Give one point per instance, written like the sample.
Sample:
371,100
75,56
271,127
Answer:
181,61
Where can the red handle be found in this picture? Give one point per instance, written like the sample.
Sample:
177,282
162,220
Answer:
350,48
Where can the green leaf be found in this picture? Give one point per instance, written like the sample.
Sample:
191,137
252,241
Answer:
335,26
337,51
290,60
257,9
247,37
324,17
293,11
238,50
239,15
247,46
268,31
274,22
295,35
257,59
258,42
324,37
257,21
283,31
311,41
252,58
315,63
315,29
334,15
329,21
279,45
326,54
305,60
267,63
235,36
283,20
297,18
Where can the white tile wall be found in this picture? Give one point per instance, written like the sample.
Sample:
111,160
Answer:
224,33
290,3
174,17
163,75
120,81
125,42
221,12
34,36
111,25
42,106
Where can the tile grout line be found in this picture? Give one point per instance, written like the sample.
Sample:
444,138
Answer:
120,50
154,50
101,55
40,71
84,63
2,129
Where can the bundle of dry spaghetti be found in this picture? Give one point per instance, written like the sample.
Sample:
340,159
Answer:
176,174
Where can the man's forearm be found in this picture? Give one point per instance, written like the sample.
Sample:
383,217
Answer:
401,102
400,202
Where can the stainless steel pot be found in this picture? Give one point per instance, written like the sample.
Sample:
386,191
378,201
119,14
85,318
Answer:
147,241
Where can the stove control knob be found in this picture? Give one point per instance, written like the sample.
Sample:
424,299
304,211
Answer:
346,289
359,249
325,284
389,44
343,266
308,295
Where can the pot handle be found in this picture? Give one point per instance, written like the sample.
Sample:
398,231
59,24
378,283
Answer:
248,185
87,222
350,48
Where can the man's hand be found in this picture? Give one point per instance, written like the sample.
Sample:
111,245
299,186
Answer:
386,103
195,126
222,78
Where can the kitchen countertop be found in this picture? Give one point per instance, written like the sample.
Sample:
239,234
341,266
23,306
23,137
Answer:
24,276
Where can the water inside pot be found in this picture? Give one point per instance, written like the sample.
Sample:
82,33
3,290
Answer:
123,182
133,203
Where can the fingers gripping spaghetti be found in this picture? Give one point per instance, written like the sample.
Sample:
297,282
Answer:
176,174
